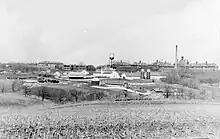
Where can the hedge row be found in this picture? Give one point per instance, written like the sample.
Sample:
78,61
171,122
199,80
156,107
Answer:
60,95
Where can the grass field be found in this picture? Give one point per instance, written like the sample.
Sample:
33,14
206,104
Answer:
116,121
6,84
18,100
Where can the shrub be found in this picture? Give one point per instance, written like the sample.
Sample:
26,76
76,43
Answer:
185,73
203,94
54,94
25,90
167,92
76,94
99,95
191,83
191,94
173,78
182,77
3,88
209,80
181,93
90,96
16,86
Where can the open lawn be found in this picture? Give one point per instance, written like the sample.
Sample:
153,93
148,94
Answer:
6,85
18,100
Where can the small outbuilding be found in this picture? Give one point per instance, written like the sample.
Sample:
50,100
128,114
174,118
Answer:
95,82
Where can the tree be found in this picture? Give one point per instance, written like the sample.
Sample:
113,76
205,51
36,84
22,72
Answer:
90,68
125,93
63,95
81,63
43,92
26,91
3,66
3,88
167,91
184,73
76,94
173,78
13,86
99,95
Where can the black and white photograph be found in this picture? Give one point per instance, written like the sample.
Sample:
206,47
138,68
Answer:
109,69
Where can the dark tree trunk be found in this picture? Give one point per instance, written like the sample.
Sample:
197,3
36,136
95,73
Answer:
76,98
42,96
167,94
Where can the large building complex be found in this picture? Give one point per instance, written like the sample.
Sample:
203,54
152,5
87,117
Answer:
157,65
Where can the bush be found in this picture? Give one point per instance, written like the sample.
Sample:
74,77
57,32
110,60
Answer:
185,73
78,95
16,86
167,92
3,88
203,94
173,78
54,94
191,83
192,95
95,95
209,80
182,78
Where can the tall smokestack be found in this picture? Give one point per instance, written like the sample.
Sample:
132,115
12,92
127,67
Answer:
176,61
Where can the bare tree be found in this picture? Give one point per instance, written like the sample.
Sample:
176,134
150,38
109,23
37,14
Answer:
3,88
26,91
125,93
81,63
167,91
43,91
13,86
76,94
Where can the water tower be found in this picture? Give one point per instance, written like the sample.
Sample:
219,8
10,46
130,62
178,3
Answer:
111,58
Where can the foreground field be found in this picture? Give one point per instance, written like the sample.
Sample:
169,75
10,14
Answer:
116,121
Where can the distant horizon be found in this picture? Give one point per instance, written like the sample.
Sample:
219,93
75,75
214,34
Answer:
74,31
26,62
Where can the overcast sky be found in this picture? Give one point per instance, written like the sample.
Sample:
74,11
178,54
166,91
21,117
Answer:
88,30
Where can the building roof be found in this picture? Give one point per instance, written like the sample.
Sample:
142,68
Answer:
203,64
78,73
138,74
50,62
105,70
